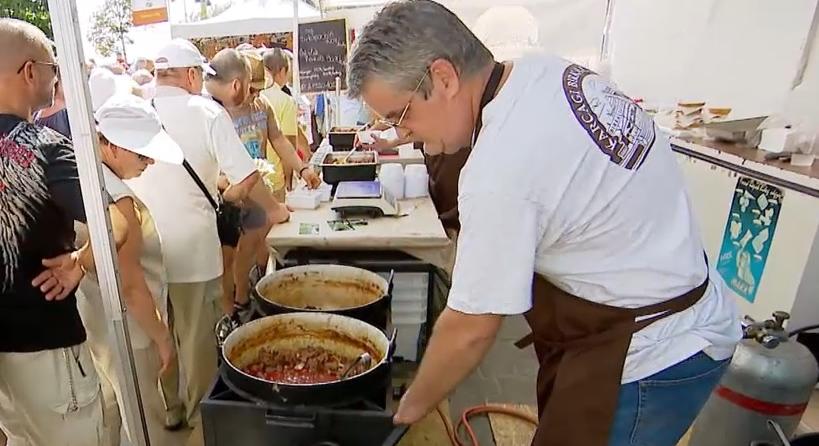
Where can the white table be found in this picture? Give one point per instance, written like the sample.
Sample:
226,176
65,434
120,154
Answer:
419,233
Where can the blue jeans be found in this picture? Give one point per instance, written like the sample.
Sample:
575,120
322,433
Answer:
658,410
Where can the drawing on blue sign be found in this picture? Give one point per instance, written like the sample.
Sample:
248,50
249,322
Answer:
749,231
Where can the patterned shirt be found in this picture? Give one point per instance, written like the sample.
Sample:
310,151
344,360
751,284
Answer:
40,199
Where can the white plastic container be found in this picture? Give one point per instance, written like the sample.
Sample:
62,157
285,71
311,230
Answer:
416,181
410,295
326,192
304,199
407,340
779,140
406,150
391,176
410,308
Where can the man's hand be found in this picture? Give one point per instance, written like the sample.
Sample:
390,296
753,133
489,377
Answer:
380,145
222,183
167,352
458,344
409,412
62,276
311,178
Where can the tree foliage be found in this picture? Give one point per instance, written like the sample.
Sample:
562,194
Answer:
31,11
208,9
110,25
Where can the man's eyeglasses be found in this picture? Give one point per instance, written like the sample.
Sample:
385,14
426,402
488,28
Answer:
53,65
392,123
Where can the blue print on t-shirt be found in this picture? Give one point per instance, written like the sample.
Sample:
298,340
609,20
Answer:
254,148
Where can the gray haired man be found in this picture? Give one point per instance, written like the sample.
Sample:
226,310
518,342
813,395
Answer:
568,185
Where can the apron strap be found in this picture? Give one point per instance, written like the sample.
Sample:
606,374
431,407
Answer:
489,92
653,312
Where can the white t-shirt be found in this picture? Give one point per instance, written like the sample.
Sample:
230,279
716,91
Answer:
544,192
185,219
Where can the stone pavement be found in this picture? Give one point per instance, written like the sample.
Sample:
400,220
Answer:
507,375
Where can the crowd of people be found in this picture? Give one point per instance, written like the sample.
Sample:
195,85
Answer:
196,159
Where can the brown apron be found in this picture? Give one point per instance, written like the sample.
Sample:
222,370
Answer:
444,172
581,345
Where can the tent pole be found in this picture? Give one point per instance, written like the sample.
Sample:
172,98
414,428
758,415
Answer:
296,83
338,102
65,24
605,44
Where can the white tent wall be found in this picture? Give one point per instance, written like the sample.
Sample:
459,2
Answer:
357,16
802,104
744,54
569,28
247,17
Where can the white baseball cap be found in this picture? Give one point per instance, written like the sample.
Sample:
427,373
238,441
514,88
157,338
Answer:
180,53
131,123
103,85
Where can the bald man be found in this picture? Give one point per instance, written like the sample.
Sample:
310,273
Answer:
239,78
49,391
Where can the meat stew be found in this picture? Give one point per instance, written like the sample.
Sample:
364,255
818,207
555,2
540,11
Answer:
308,365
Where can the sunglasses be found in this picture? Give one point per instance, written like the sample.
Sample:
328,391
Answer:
53,65
398,123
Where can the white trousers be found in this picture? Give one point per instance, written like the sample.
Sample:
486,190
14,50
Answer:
51,397
146,359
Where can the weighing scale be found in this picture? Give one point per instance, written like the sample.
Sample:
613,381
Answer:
364,198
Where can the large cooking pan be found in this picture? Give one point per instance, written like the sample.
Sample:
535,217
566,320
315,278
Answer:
339,334
338,289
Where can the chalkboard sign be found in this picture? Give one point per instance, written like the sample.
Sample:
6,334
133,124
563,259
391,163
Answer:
322,55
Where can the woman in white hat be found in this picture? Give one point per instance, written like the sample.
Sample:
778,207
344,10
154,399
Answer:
131,139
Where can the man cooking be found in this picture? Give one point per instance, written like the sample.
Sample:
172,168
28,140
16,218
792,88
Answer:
573,212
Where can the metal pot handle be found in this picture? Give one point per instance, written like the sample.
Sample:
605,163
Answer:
391,349
390,284
298,422
397,433
226,325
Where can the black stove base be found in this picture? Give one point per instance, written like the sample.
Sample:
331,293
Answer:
229,420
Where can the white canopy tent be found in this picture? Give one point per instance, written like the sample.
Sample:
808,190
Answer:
249,17
743,54
511,28
571,29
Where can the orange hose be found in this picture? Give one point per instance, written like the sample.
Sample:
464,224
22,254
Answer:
484,409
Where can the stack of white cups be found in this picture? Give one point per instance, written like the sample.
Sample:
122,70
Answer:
391,177
416,181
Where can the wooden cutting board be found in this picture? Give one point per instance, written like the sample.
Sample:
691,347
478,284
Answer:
429,431
510,431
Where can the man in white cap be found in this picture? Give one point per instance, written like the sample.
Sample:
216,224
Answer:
131,138
185,217
102,84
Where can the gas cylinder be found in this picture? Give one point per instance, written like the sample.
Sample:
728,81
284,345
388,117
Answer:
770,377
